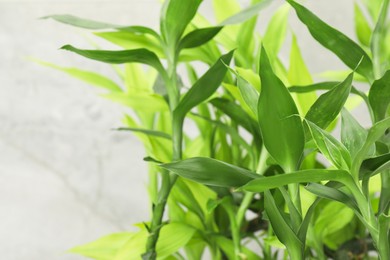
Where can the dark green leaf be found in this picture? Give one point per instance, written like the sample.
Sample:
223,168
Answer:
379,96
316,175
346,49
118,57
211,172
332,194
236,113
328,105
205,86
175,17
281,228
146,131
277,112
374,165
198,37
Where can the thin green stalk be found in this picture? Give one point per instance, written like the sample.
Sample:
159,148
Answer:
168,180
235,230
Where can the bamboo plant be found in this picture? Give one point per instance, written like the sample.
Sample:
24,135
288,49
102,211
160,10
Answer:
264,178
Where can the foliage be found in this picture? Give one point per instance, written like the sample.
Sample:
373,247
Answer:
261,128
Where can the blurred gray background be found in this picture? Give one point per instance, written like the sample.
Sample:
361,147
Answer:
65,177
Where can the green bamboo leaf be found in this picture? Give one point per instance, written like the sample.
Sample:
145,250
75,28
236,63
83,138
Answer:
326,192
246,13
275,34
248,93
104,248
281,228
316,175
89,77
175,17
379,96
329,104
81,22
227,247
277,112
211,172
330,147
199,37
236,113
298,74
346,49
118,57
334,216
130,40
374,133
139,101
173,236
353,135
95,25
205,86
374,165
327,85
362,27
146,131
384,227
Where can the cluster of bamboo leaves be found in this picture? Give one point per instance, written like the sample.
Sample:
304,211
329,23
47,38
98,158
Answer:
262,177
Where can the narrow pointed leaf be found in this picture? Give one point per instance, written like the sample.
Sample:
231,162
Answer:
328,105
374,165
246,13
175,17
89,77
205,86
379,96
146,131
248,93
346,49
140,101
375,132
199,37
118,57
277,112
81,22
316,175
332,194
353,135
211,172
330,147
282,229
362,27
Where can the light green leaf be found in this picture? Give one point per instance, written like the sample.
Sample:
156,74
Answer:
298,74
199,37
246,13
140,102
249,94
175,17
346,49
205,86
330,147
276,31
211,172
89,77
277,112
362,27
104,248
316,175
379,96
227,247
81,22
146,131
329,104
353,135
118,57
173,236
334,216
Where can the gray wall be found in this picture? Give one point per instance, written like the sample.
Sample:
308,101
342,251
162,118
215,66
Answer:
65,177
